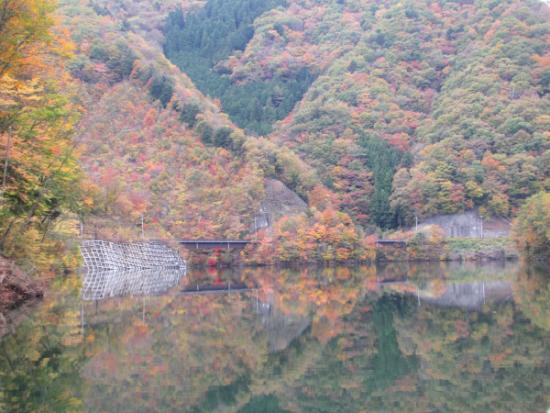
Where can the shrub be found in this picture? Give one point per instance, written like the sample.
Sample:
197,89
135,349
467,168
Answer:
162,89
188,114
531,229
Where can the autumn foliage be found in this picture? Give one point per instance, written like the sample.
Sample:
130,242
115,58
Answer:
327,236
532,226
40,177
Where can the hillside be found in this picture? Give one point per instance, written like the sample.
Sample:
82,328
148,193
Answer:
153,145
417,108
181,112
137,139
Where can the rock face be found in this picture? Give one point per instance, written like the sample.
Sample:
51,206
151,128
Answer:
469,225
15,286
279,201
15,289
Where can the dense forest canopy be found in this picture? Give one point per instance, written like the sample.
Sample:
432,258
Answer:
199,41
460,89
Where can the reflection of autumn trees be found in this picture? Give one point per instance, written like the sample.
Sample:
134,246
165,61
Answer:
532,293
491,360
327,294
176,356
40,364
212,351
345,344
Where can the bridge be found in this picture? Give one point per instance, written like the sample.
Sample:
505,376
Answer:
214,243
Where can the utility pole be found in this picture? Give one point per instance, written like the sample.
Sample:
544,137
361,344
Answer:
142,229
6,160
416,223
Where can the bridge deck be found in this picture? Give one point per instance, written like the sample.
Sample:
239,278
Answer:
214,243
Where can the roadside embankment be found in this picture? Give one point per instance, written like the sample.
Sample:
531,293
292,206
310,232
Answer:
450,249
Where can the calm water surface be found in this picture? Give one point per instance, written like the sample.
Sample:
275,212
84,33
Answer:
404,338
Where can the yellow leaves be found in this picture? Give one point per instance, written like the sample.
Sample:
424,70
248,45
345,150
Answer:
42,171
15,93
24,33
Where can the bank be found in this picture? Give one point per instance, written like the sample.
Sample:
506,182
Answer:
16,289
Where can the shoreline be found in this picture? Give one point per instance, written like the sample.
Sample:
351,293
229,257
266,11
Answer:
18,290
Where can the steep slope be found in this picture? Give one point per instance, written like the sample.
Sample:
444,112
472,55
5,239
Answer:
451,97
154,146
199,41
137,138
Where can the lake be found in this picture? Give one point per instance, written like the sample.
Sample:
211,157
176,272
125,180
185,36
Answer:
405,337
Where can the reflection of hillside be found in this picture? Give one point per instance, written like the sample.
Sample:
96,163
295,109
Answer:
281,327
314,340
491,361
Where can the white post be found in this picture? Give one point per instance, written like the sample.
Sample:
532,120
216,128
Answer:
416,223
82,318
6,160
481,223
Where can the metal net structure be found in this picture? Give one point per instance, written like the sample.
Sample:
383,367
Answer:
113,269
106,255
101,284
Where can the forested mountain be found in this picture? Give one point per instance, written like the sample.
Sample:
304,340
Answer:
371,111
418,107
199,41
151,144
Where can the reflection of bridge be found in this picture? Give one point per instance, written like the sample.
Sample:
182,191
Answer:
102,284
221,288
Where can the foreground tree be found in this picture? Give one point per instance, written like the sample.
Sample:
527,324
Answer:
40,177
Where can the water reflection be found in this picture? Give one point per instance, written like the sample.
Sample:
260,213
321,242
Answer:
426,338
99,284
